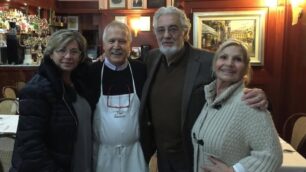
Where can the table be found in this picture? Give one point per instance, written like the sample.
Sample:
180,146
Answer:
8,128
8,123
292,160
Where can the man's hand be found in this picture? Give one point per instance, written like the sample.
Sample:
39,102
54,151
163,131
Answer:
100,58
255,98
217,166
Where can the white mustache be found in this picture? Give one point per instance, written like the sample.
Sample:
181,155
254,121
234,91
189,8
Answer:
117,52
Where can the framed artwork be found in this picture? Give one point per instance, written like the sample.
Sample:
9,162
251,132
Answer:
212,28
156,3
137,4
117,4
103,4
145,23
122,19
73,23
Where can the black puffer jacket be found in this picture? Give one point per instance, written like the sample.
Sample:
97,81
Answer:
47,124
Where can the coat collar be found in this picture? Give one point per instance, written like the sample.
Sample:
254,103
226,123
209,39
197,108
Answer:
114,67
210,92
193,66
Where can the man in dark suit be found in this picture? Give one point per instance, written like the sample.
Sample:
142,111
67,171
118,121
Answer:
173,94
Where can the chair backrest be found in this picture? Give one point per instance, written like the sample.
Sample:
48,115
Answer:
294,129
9,92
6,151
153,163
9,106
302,147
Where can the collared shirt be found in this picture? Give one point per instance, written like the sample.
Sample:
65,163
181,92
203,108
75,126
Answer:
114,67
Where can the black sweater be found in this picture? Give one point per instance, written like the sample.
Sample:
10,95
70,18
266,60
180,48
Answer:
117,82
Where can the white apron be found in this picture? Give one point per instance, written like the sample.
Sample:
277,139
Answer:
116,132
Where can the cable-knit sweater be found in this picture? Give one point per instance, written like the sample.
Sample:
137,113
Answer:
233,132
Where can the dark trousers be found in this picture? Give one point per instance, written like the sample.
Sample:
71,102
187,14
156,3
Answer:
172,162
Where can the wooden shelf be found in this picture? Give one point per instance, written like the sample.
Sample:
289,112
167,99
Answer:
60,11
128,11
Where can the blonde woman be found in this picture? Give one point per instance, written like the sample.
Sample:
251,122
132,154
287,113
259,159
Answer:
228,135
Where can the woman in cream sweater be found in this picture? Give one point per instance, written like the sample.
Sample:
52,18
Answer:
228,135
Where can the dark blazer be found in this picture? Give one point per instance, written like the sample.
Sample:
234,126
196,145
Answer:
198,74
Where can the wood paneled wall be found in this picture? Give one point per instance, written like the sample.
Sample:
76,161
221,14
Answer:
143,37
282,43
294,68
32,4
282,76
11,75
270,76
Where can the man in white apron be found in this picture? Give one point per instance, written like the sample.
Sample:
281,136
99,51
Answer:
115,121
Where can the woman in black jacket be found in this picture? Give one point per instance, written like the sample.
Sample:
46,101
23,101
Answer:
54,130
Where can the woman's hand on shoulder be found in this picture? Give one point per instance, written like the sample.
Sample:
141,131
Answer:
100,58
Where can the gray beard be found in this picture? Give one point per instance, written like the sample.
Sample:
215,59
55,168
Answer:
169,52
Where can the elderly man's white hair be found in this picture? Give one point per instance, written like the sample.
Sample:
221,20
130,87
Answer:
120,25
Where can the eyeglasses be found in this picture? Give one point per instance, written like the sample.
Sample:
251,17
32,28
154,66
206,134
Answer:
120,101
64,52
171,30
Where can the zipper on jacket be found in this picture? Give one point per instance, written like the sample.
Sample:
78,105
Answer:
69,109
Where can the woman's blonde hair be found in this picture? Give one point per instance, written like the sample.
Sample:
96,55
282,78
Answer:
246,57
61,38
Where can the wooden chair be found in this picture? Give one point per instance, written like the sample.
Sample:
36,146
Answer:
6,151
9,106
302,147
294,132
153,164
9,92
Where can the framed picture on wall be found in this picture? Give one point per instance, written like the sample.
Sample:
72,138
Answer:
117,4
134,4
212,28
73,23
122,19
156,3
145,23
